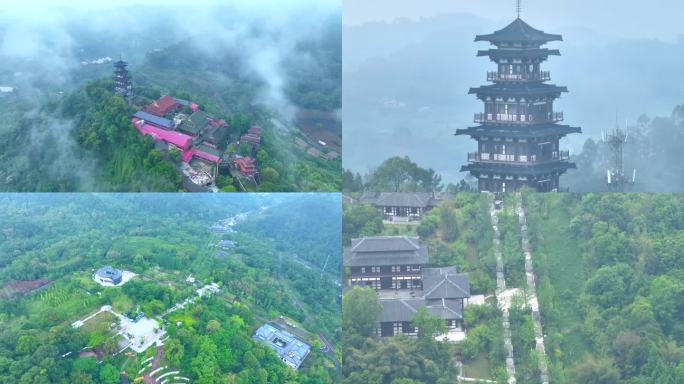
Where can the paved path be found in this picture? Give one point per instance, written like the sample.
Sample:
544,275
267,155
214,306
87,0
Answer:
532,289
500,288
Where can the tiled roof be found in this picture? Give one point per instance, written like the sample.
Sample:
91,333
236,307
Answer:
399,199
153,119
162,106
519,31
445,282
385,250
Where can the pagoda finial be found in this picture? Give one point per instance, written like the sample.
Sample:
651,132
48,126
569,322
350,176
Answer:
519,8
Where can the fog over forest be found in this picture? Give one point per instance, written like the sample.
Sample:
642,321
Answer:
49,48
407,75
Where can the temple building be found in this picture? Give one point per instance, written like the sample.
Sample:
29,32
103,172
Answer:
519,132
395,268
291,350
401,206
108,275
198,135
122,80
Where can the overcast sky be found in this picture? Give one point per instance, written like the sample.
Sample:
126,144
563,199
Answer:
660,19
28,8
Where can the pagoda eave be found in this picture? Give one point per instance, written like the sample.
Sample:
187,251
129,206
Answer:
557,166
518,131
502,89
519,32
519,53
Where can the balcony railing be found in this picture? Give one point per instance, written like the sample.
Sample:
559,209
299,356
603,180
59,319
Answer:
519,159
503,118
561,155
541,76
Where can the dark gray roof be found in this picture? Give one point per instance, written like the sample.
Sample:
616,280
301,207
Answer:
156,120
217,135
399,199
519,130
109,272
182,102
161,145
518,90
400,309
520,169
385,250
540,53
394,310
519,31
445,283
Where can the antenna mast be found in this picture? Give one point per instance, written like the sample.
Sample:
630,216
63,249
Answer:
615,175
519,8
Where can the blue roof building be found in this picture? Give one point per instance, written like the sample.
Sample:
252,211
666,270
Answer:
154,120
291,350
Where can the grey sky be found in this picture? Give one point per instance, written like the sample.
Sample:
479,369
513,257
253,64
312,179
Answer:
661,19
33,5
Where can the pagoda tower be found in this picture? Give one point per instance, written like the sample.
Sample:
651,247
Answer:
122,79
519,132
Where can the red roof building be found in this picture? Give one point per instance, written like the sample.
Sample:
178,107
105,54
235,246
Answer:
163,106
246,166
253,136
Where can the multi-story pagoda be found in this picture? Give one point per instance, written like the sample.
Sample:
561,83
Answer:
519,132
122,79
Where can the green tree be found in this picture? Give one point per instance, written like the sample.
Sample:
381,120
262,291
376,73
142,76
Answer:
592,371
428,325
667,298
174,351
204,365
269,175
360,220
448,223
611,286
109,374
401,174
213,326
360,311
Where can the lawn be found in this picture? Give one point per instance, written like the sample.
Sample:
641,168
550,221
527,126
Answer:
99,322
399,230
478,368
558,262
183,316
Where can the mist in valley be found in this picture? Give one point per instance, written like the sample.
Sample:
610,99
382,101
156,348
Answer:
50,48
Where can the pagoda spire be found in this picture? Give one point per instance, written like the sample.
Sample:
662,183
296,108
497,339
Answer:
519,7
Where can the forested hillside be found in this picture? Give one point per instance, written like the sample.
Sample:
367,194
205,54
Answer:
610,287
609,282
50,246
